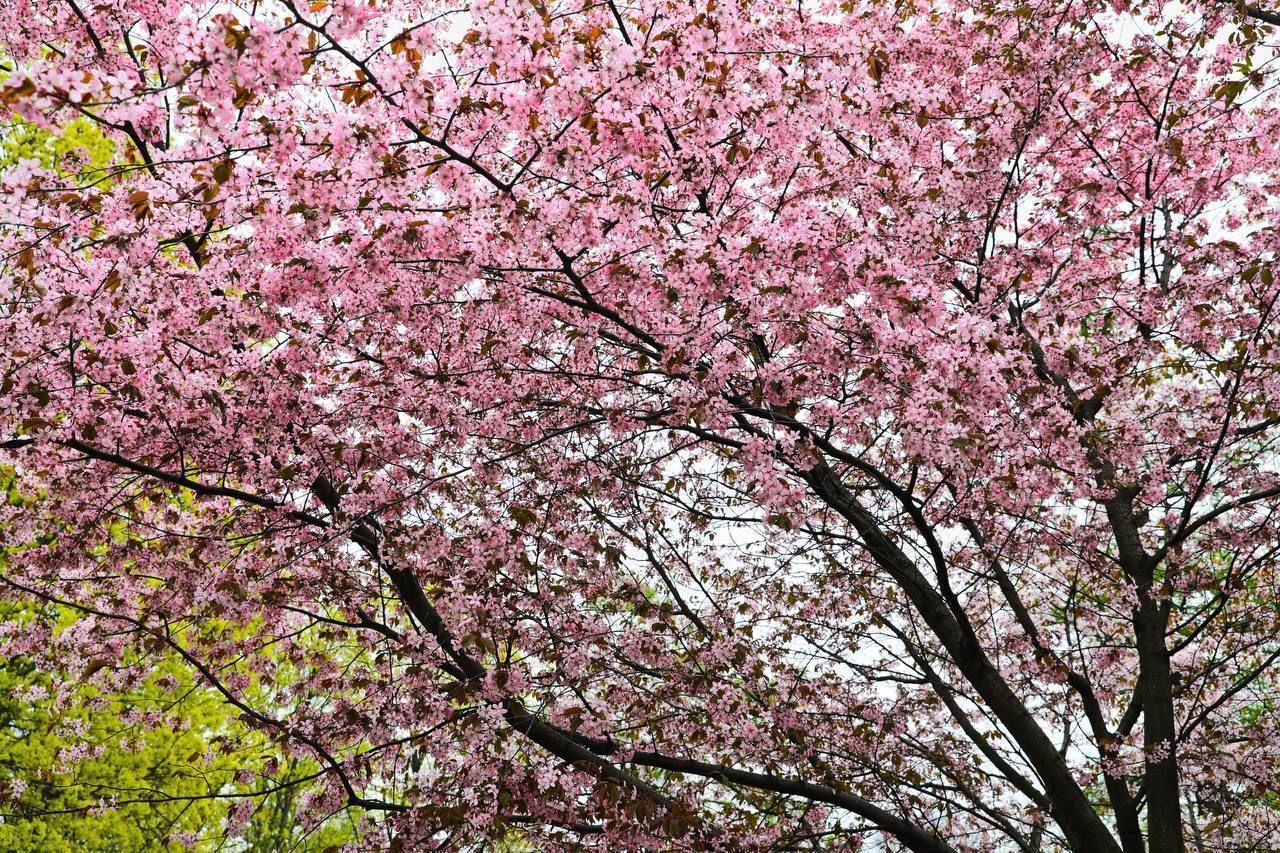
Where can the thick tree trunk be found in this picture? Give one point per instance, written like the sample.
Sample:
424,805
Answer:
1160,733
1155,679
1079,822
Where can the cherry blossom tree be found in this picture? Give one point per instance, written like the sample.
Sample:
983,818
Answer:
665,425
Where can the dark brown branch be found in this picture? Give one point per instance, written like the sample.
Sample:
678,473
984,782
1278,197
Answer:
1072,811
914,837
1264,15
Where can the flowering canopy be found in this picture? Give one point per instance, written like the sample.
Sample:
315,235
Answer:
685,425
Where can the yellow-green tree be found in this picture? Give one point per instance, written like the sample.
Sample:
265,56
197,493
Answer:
85,769
80,150
158,761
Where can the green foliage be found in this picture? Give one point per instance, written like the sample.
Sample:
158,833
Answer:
82,768
136,755
81,150
157,762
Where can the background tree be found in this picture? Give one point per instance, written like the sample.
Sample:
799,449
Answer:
141,757
657,425
157,765
79,150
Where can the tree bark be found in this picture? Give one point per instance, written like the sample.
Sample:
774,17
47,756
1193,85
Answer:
1159,729
1155,678
1076,818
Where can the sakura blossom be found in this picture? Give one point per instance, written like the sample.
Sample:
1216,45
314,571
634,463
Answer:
654,425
